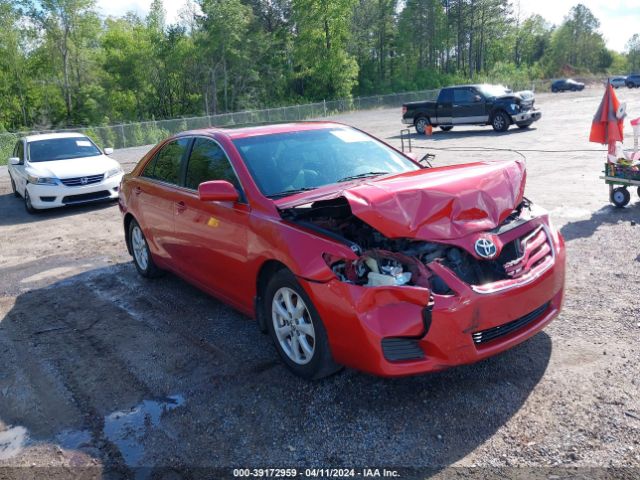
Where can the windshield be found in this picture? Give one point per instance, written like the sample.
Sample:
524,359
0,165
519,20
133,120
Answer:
494,90
62,149
286,163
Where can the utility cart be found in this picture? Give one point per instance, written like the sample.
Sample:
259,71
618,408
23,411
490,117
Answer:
620,179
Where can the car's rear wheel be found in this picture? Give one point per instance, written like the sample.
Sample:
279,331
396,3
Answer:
27,203
446,128
554,89
500,122
141,255
421,125
13,187
296,328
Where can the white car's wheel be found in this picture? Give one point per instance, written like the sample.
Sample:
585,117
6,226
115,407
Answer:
27,203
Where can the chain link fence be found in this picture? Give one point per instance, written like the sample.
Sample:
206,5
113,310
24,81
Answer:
146,133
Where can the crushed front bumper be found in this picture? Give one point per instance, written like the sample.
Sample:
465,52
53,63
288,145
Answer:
530,115
359,319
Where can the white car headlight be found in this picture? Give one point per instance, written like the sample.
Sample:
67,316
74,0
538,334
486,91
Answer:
112,172
42,180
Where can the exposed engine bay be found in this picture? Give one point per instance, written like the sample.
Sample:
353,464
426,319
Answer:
385,261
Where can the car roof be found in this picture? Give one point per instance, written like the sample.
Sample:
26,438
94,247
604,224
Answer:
51,136
253,131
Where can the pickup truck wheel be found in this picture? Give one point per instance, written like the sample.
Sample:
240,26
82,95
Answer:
500,122
421,125
554,89
446,128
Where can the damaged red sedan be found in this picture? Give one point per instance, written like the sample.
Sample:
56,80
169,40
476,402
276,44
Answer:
345,250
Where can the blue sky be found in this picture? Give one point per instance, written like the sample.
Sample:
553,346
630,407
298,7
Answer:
619,19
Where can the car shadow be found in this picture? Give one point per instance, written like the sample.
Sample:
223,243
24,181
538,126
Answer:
606,215
463,132
137,373
14,212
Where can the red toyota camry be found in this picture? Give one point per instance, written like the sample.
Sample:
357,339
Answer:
345,250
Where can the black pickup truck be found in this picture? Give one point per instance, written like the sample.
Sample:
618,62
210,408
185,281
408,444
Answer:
473,105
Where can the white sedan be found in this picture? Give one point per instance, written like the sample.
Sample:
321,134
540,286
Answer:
60,169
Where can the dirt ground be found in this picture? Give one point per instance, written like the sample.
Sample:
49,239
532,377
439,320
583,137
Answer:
102,369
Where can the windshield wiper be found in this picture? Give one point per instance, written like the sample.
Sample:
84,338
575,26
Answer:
293,191
361,175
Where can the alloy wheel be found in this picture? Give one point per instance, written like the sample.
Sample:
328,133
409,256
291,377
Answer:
293,325
139,246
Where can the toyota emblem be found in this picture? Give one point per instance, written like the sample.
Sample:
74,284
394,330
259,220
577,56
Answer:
485,248
84,180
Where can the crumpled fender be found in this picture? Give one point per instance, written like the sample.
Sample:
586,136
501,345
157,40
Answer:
441,203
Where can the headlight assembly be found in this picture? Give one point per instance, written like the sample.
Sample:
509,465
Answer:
42,180
113,172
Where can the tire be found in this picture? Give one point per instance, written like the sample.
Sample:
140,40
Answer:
629,85
554,90
620,197
140,250
446,128
13,187
27,203
639,191
524,125
500,122
421,124
302,343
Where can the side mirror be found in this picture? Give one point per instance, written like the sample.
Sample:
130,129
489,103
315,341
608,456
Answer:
108,151
14,161
217,191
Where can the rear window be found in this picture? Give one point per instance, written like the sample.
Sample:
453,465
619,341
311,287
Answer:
61,149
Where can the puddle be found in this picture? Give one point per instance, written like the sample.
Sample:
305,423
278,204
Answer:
12,441
73,439
127,429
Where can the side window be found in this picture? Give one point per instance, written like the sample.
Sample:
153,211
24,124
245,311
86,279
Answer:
446,96
166,164
462,95
209,162
18,151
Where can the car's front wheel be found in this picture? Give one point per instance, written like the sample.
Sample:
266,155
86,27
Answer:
296,328
15,190
27,203
500,122
141,255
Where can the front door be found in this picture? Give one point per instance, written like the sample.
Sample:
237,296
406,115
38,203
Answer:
468,106
212,248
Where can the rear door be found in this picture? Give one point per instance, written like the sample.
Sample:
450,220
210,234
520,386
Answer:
155,192
444,107
212,248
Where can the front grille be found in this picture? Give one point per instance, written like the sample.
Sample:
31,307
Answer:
533,249
85,197
399,349
493,333
79,181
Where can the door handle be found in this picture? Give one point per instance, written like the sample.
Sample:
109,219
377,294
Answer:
180,206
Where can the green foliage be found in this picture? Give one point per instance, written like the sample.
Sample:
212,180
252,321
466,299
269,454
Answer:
63,65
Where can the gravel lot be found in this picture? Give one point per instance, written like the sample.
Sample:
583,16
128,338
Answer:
103,369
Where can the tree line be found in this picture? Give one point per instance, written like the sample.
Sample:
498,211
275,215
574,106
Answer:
63,64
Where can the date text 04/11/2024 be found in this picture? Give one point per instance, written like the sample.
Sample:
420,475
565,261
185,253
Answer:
315,473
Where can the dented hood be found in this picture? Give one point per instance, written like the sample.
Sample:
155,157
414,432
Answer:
432,204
